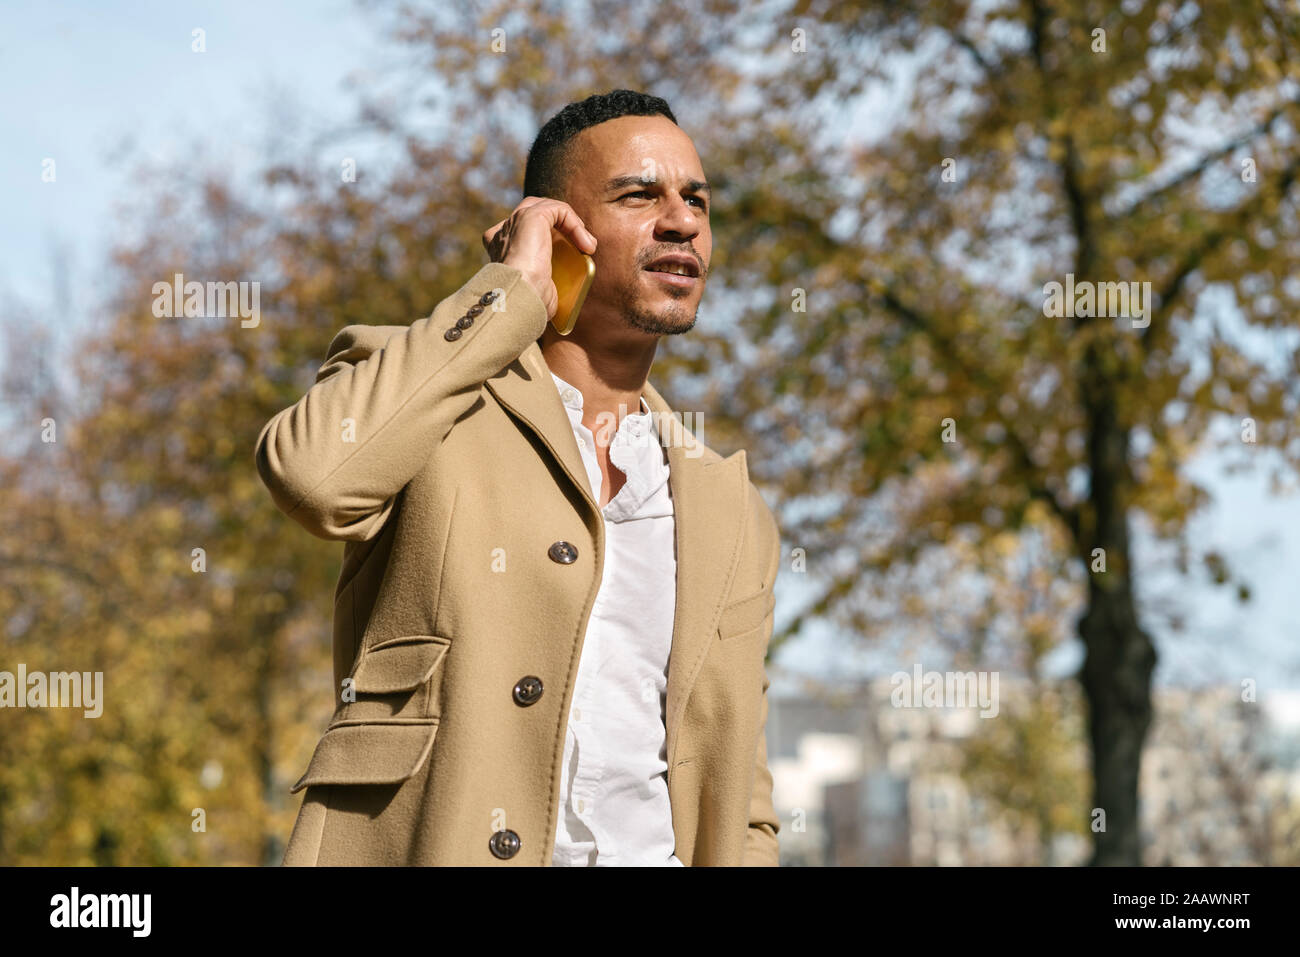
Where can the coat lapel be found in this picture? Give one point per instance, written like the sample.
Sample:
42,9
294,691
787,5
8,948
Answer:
710,500
526,389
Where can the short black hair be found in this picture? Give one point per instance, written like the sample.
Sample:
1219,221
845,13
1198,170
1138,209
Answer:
549,161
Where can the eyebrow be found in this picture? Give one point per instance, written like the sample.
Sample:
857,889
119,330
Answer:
620,182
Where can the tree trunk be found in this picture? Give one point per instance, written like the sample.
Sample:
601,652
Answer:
1121,658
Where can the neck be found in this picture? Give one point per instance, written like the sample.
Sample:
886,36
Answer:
610,375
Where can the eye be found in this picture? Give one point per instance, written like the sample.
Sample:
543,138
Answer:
646,192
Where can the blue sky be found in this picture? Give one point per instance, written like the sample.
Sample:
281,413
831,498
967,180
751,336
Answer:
89,86
95,86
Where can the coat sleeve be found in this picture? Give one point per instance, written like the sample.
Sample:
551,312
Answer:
385,398
761,848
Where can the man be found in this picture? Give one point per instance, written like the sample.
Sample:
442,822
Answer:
552,616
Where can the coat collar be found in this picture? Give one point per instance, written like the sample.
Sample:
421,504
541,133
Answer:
710,500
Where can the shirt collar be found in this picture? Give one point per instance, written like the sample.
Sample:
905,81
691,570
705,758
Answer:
571,396
635,450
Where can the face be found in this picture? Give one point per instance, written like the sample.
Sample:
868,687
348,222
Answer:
639,187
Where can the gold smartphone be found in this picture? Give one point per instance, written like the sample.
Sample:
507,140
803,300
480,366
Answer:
572,271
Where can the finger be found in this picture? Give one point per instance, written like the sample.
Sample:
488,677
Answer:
490,235
570,225
494,231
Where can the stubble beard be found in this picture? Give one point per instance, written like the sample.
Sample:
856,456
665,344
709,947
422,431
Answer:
670,320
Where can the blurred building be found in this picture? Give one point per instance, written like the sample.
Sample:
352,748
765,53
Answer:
1220,781
857,781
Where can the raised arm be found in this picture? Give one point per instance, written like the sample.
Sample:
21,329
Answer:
386,396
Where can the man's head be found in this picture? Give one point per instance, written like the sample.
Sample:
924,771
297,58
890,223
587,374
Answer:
634,178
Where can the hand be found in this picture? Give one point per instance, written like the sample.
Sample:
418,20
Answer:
523,240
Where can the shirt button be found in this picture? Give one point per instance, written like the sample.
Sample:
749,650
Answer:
582,444
569,395
577,714
582,805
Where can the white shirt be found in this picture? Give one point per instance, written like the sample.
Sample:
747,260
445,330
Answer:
614,782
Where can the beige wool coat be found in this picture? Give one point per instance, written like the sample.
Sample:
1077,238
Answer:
441,454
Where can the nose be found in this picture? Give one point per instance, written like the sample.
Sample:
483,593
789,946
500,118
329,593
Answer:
677,221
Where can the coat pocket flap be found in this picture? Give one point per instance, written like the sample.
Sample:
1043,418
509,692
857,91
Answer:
745,615
370,753
401,664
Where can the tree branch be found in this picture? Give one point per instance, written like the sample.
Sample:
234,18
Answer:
1204,163
946,347
968,45
1169,293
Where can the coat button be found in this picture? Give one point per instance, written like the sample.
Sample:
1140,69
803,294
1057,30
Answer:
487,298
452,334
464,322
473,310
528,689
504,844
563,552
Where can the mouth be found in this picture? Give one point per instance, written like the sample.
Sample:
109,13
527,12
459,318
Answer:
669,279
678,270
